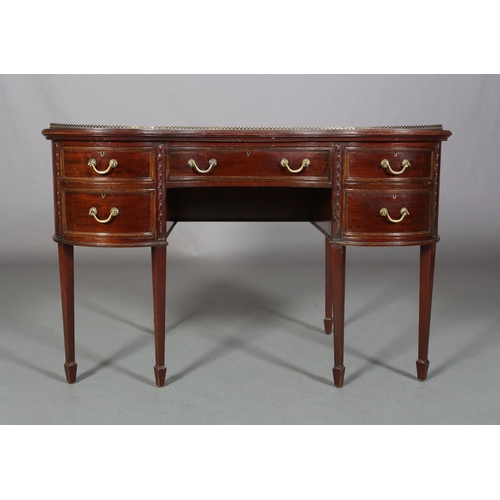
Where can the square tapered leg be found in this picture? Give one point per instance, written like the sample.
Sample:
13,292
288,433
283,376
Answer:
338,254
427,259
66,274
159,269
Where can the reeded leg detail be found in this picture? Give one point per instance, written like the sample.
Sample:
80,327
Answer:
427,259
338,253
159,268
66,274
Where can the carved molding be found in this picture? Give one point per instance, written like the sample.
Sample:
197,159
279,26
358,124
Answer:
160,190
57,164
337,191
436,189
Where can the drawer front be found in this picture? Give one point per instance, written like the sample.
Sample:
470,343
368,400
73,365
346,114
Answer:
386,163
302,164
371,213
112,163
128,214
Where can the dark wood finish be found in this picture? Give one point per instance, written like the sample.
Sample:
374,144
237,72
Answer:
341,192
136,163
328,321
364,162
136,218
338,255
159,268
363,219
427,259
247,164
226,204
66,274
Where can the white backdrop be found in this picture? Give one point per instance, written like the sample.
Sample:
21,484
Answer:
468,105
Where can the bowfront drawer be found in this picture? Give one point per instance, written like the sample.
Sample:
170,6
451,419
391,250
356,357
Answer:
388,163
229,164
388,214
127,215
113,163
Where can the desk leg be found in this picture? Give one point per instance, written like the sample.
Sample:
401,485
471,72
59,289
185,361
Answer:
159,268
338,253
66,274
328,287
427,259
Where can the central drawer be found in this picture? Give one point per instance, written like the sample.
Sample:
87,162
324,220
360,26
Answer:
233,164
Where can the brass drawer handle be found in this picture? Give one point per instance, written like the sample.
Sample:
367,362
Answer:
404,164
211,163
93,163
112,213
385,213
305,163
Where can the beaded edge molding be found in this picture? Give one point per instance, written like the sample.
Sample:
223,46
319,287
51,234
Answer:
139,127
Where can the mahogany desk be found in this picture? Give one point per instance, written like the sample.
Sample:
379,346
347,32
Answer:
128,186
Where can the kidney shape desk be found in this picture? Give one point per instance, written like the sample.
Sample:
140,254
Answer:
128,186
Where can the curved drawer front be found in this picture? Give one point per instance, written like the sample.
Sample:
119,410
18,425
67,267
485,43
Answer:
228,164
126,215
108,163
384,163
384,214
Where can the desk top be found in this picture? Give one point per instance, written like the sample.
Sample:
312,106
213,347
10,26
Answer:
409,132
